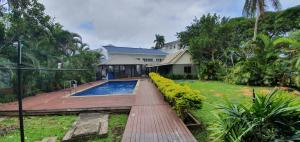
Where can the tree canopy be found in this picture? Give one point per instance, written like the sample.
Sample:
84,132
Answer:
45,43
222,48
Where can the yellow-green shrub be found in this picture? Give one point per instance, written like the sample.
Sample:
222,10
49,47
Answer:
181,97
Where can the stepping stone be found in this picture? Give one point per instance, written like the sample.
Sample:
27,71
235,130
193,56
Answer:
103,125
50,139
88,124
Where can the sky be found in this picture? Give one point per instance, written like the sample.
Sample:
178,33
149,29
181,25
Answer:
134,23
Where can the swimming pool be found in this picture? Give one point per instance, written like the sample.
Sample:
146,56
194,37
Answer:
110,88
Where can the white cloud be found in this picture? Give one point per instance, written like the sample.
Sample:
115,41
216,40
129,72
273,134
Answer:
135,22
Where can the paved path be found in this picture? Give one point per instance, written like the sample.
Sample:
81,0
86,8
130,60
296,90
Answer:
151,119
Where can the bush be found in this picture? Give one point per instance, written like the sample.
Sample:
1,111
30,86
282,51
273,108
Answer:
245,73
179,77
181,97
212,70
270,118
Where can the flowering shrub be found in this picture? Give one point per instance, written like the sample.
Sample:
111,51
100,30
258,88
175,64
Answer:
181,97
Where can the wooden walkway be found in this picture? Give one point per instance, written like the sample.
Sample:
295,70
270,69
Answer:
151,119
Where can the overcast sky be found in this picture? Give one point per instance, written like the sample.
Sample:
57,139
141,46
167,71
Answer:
134,23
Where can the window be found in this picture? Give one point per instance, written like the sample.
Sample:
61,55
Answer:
122,68
187,69
147,60
158,60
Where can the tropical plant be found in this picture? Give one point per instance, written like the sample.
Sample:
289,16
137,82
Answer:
268,65
159,41
257,8
270,118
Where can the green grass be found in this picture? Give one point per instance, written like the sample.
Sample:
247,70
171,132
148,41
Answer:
218,93
37,128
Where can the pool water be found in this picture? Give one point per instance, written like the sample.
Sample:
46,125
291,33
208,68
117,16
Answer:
110,88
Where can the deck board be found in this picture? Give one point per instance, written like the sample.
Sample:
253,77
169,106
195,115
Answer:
151,119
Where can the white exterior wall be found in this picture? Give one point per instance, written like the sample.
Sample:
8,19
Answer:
178,69
172,48
184,61
186,58
129,58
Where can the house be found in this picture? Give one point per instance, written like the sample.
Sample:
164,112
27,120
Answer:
172,47
178,63
123,62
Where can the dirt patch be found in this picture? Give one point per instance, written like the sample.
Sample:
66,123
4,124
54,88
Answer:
219,94
264,91
247,91
117,133
8,129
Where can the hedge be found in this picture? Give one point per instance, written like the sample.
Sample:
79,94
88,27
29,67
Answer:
181,97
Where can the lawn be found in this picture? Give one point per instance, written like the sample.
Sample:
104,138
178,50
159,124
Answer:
38,127
218,93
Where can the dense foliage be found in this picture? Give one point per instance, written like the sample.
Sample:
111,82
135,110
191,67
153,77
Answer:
181,97
181,77
223,49
270,118
44,45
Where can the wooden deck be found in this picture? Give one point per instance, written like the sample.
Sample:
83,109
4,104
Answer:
151,119
59,102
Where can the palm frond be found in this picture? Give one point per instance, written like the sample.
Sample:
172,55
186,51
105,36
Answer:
276,4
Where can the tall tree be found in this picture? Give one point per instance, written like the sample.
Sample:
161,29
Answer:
159,41
258,8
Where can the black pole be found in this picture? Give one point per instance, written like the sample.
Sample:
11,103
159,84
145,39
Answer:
20,92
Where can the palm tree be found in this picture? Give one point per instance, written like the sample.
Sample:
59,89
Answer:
159,41
258,7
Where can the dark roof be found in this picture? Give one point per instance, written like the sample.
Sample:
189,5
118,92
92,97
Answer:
130,50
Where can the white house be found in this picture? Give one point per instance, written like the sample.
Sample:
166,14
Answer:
178,63
128,62
172,47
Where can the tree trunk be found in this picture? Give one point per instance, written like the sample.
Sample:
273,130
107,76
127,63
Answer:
231,58
256,27
213,56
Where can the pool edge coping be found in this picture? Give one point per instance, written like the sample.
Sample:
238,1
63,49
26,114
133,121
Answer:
127,94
